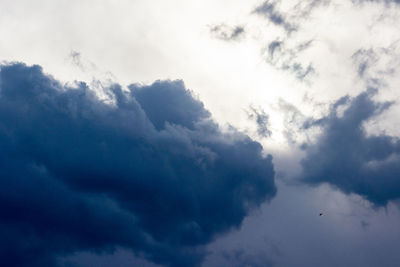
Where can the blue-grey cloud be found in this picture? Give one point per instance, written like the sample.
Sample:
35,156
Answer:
261,119
375,65
269,10
227,33
285,58
150,172
345,156
293,16
281,53
78,61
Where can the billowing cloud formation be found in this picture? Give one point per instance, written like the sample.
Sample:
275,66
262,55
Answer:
345,156
151,172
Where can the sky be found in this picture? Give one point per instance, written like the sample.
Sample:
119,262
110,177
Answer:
199,133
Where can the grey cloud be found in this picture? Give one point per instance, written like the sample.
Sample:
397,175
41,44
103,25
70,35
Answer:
292,17
274,46
292,121
78,61
281,55
285,57
261,119
227,33
374,65
270,11
364,224
303,9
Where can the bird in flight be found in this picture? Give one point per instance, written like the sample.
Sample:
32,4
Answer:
321,214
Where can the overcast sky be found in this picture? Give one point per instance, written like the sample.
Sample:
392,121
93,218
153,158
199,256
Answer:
199,133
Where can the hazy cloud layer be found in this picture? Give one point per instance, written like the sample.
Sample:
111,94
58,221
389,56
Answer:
345,156
383,1
150,172
241,258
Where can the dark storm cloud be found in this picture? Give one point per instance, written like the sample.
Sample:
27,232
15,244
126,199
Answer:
346,157
227,33
151,172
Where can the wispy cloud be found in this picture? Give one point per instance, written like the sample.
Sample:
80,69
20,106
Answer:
227,33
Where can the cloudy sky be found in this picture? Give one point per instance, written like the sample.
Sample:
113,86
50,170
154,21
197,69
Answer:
199,133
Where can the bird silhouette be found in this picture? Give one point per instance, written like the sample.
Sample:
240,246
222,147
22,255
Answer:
320,214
